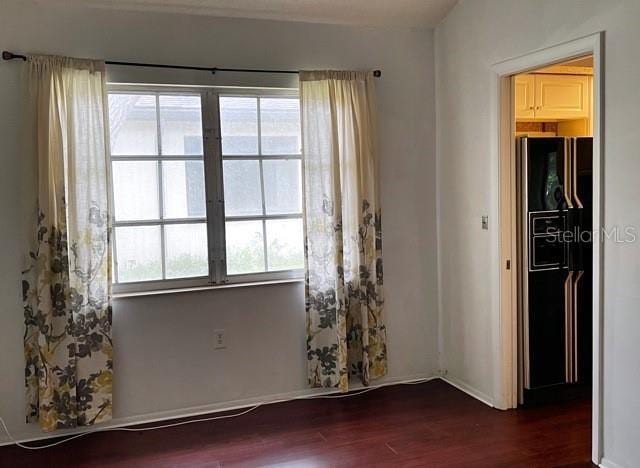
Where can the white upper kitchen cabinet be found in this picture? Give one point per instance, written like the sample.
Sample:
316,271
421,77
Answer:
561,96
552,97
524,94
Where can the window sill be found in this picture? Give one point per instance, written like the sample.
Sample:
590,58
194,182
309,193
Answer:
156,292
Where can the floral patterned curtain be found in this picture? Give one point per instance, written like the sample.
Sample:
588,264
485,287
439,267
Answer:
346,336
67,280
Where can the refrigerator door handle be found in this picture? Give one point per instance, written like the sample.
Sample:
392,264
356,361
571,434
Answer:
579,212
574,171
566,186
570,246
568,335
574,326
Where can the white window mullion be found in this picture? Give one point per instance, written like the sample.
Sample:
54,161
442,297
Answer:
153,157
264,245
163,252
112,222
259,126
264,213
259,217
262,194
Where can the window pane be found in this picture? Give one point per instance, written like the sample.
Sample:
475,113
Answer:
280,125
183,188
282,186
138,253
284,244
239,125
186,250
132,124
242,192
245,247
135,190
181,125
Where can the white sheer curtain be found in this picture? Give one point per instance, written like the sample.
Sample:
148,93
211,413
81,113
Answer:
346,335
67,280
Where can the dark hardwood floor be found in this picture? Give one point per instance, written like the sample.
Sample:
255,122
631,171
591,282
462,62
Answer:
431,424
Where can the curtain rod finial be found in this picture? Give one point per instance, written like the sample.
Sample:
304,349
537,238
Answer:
6,55
377,73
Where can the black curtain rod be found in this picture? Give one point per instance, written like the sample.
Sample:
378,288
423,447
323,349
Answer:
11,56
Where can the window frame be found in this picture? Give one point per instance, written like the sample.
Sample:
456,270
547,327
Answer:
214,190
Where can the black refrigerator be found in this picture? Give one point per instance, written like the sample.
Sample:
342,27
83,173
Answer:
555,231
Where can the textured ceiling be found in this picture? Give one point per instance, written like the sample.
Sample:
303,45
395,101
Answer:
411,13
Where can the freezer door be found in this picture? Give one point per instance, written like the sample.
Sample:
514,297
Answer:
545,302
548,304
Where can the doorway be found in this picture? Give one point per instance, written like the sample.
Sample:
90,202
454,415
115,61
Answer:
554,191
542,122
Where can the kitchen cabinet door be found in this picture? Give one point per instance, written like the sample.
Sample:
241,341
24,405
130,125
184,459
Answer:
524,97
561,96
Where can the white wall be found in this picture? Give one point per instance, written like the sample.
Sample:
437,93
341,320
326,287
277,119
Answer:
475,35
164,357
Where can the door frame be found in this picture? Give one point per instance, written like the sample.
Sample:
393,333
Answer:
503,167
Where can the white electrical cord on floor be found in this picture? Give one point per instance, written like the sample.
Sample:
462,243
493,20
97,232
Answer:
192,421
126,429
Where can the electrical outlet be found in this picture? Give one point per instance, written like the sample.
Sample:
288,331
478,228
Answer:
219,339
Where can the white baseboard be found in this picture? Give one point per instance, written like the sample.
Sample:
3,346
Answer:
604,463
205,409
469,390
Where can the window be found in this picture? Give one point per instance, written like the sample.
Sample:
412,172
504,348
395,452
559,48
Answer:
206,187
262,183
